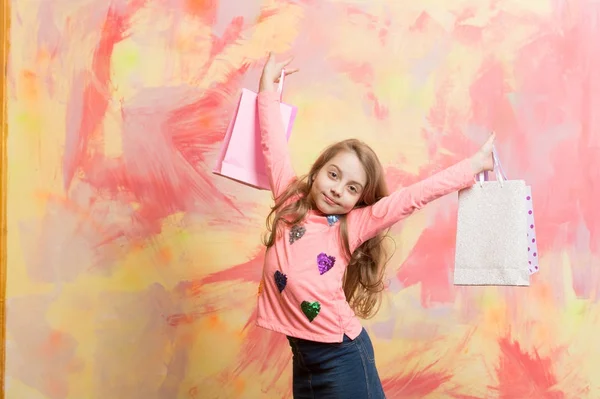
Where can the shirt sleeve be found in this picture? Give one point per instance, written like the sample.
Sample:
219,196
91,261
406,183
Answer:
365,223
274,144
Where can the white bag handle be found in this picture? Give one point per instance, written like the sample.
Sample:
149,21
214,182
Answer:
280,87
498,171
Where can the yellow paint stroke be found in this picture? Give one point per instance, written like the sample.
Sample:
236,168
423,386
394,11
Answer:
4,51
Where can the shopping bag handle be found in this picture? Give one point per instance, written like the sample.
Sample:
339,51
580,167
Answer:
280,87
498,170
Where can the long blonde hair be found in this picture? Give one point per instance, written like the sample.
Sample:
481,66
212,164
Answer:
363,280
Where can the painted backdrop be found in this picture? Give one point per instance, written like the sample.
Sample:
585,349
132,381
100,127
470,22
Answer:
133,270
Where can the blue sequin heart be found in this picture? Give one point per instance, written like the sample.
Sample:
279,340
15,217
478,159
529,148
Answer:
280,280
332,219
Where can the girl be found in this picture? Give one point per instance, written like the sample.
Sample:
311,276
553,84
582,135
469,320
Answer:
324,263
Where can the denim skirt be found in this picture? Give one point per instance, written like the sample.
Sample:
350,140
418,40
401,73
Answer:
343,370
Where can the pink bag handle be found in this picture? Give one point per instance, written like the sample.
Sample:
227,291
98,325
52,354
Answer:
280,87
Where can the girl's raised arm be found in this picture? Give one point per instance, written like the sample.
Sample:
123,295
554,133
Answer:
273,138
365,223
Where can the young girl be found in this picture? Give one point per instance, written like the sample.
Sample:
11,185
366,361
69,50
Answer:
324,263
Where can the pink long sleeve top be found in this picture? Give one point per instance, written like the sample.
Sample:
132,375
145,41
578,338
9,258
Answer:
301,292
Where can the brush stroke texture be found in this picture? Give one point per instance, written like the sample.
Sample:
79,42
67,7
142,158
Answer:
134,271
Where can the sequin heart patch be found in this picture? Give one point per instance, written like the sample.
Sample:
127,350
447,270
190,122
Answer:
296,233
325,262
310,309
332,219
280,280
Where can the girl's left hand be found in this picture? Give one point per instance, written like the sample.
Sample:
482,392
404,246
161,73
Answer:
272,72
482,160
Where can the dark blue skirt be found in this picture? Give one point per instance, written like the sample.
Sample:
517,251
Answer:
343,370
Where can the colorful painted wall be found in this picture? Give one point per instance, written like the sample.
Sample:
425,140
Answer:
133,270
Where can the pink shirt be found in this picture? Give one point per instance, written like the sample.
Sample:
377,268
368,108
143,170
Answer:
301,293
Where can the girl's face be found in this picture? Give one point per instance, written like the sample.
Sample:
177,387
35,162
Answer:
339,185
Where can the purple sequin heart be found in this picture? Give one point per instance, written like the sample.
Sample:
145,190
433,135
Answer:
325,262
280,280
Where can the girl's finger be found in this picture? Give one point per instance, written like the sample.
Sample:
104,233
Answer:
291,71
287,72
490,142
270,59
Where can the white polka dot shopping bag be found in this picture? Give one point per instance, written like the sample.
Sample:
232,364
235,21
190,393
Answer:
495,235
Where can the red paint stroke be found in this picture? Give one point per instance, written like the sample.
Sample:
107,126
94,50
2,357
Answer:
468,34
380,111
461,396
385,31
430,262
556,89
489,101
166,135
86,110
206,10
265,14
371,20
163,156
182,132
265,349
359,72
250,271
416,383
422,23
362,74
194,127
211,300
424,379
232,33
589,145
558,73
524,375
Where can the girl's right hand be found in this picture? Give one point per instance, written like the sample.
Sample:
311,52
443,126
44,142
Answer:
483,160
272,72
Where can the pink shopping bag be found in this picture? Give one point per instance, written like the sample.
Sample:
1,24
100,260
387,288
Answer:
241,157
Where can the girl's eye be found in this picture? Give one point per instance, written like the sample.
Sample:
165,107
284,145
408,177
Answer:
353,189
333,174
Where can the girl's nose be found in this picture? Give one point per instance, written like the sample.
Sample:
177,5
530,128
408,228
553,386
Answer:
335,190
